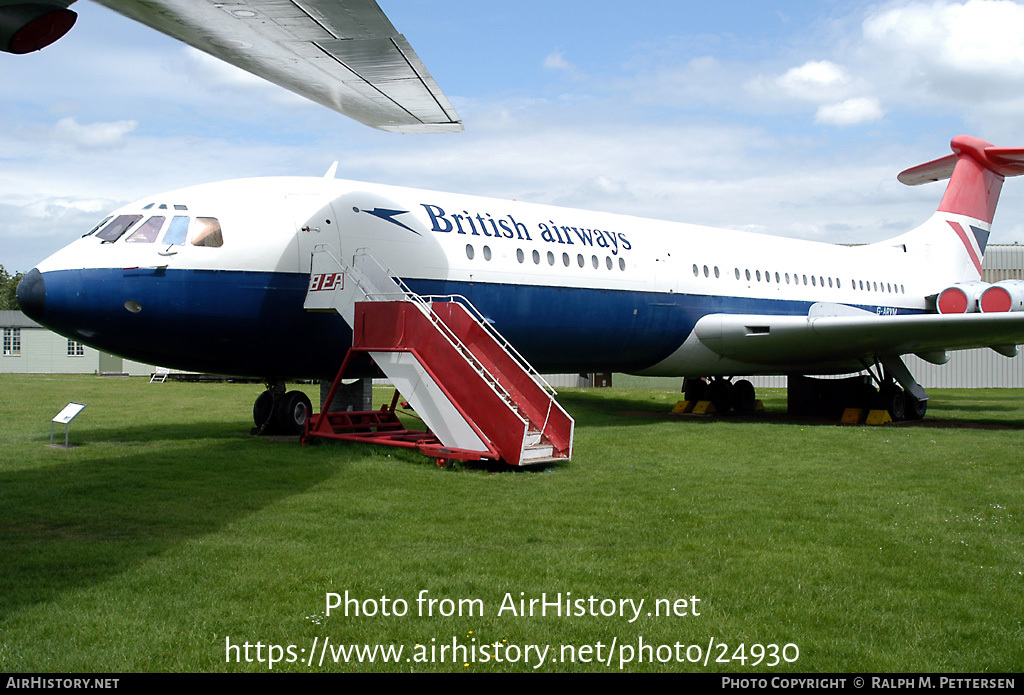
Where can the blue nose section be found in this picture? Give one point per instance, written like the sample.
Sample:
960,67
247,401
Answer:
32,295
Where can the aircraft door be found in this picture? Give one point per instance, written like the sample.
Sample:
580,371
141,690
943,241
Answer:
316,225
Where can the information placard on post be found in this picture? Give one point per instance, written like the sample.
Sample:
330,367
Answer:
64,417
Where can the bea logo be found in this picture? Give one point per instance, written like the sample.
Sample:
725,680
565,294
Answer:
327,281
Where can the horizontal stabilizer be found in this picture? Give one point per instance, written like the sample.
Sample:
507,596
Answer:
1005,161
928,173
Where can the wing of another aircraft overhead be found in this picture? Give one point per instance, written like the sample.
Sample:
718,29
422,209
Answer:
821,339
344,54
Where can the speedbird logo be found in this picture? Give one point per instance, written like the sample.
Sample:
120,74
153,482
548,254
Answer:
389,216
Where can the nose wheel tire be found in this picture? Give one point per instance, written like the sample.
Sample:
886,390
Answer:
286,414
292,412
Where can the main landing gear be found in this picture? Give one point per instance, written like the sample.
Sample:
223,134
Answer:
898,392
722,392
278,411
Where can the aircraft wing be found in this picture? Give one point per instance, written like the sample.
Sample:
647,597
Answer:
344,54
824,339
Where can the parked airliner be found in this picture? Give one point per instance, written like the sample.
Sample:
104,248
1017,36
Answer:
213,278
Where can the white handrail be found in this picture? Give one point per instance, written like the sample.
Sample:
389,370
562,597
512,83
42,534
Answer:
406,294
374,278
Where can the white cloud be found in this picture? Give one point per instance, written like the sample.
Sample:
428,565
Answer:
850,112
556,61
94,136
957,51
814,80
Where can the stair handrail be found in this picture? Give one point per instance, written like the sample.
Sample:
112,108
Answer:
496,334
406,294
374,293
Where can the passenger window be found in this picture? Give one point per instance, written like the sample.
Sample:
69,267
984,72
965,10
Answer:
207,232
148,232
536,257
121,224
177,231
470,252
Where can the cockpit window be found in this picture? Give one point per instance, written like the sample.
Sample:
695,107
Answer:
207,232
121,224
177,231
147,233
93,230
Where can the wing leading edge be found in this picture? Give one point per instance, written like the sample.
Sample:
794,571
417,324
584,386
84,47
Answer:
343,54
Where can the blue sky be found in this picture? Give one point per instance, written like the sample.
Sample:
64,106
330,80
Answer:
784,118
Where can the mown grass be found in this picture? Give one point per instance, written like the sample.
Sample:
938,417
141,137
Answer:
168,530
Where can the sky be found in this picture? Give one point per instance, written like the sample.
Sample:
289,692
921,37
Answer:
787,118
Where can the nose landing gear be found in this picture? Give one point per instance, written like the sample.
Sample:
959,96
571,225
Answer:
281,412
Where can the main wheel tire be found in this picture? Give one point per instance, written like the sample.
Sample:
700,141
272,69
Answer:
915,408
892,399
744,398
292,412
263,410
695,390
720,393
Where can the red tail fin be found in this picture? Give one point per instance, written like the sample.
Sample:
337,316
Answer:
976,170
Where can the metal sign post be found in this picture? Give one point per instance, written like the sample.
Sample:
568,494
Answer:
65,416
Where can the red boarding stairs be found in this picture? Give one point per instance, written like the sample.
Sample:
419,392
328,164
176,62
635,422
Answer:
477,396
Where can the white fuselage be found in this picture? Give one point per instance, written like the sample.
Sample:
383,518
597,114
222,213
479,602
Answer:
574,290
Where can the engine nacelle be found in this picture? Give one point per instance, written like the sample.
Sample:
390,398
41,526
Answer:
961,298
1005,295
27,27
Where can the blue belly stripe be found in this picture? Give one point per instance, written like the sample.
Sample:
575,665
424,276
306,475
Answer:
253,324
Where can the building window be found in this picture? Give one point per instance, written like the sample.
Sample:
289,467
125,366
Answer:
75,348
12,341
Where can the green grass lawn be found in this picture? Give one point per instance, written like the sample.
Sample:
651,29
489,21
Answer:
168,531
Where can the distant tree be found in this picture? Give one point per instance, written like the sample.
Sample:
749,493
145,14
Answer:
9,288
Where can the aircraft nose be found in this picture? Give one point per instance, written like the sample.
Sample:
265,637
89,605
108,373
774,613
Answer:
32,294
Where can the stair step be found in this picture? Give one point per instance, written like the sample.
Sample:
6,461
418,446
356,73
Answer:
537,451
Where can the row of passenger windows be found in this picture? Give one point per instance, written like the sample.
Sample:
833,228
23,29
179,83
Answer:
567,260
797,279
205,231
